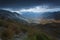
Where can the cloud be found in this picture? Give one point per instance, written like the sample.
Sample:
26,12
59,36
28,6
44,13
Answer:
37,9
10,9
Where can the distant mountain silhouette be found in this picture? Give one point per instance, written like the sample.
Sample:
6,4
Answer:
52,15
47,15
31,15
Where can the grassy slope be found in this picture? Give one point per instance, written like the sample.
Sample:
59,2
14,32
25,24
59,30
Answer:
13,27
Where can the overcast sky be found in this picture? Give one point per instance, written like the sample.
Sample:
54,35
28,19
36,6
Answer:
16,4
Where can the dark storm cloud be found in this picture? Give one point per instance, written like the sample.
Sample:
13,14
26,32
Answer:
27,3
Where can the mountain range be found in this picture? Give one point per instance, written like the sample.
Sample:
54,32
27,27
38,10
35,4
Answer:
47,15
29,17
18,26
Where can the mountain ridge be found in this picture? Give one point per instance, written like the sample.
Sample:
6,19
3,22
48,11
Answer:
5,15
